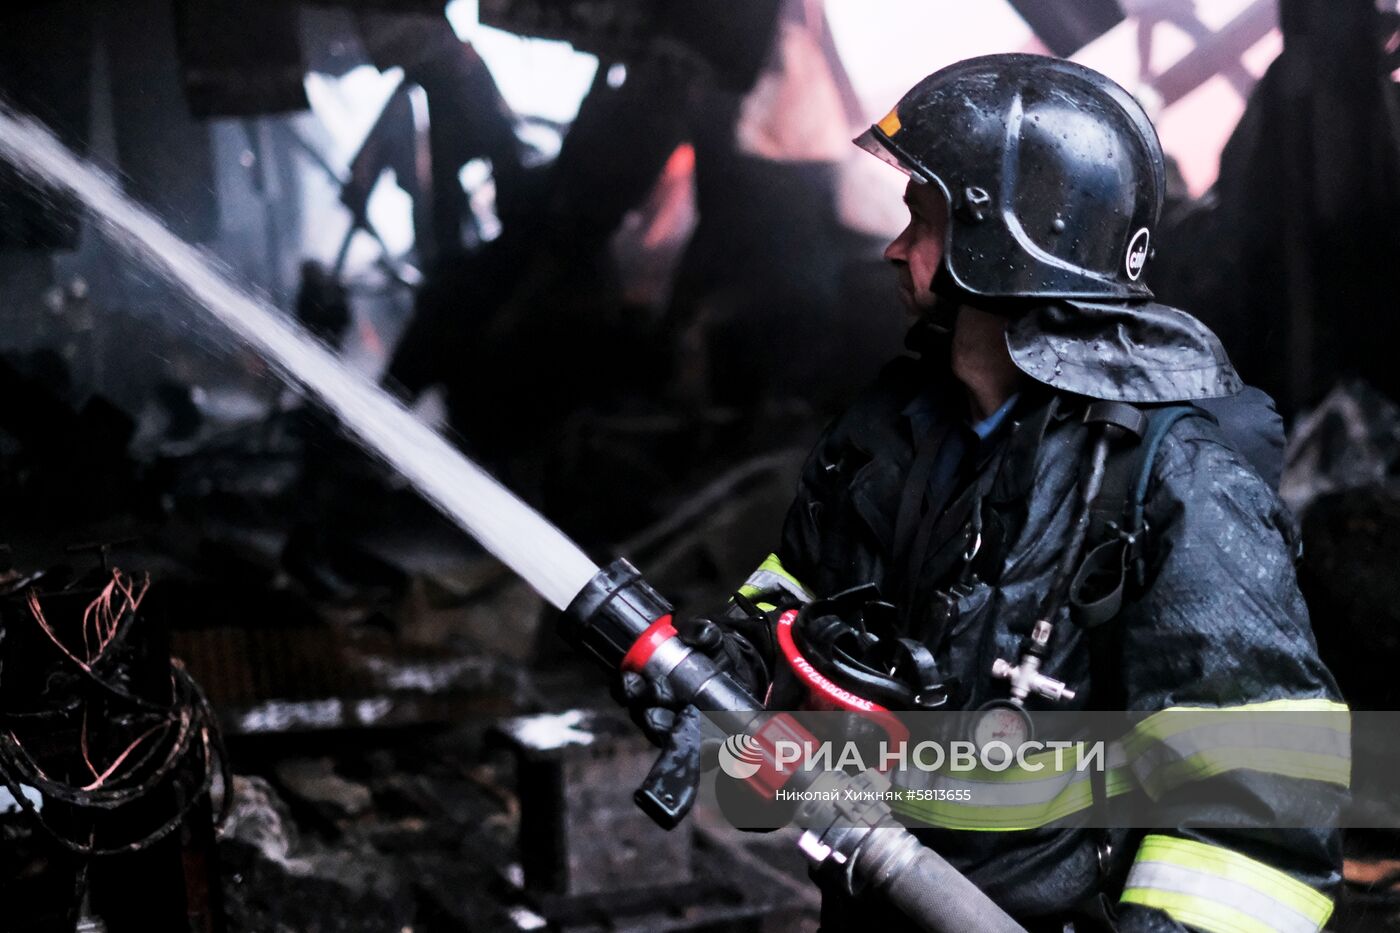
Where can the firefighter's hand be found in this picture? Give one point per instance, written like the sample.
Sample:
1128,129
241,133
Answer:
730,643
651,703
707,636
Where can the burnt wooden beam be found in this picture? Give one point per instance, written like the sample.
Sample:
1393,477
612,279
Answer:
1219,53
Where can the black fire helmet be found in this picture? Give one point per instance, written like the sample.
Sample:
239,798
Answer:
1054,175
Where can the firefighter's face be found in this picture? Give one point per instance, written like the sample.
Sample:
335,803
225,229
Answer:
917,252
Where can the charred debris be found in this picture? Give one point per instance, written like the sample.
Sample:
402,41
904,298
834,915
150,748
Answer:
248,673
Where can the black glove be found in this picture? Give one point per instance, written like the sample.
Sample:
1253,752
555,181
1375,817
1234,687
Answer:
670,788
651,703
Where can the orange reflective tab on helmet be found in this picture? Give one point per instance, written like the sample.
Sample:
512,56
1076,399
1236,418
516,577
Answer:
890,125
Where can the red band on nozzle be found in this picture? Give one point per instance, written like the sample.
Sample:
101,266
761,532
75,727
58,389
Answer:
643,648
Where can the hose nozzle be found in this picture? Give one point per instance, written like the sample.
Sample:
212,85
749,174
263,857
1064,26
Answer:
616,615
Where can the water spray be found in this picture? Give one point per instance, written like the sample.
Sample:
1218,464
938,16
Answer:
611,613
505,526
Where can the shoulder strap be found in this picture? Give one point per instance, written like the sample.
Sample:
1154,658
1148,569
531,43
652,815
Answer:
1116,523
1115,549
1159,422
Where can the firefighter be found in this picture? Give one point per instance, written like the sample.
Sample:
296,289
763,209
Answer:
957,484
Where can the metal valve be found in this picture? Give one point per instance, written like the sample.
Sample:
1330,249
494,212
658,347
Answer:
1026,677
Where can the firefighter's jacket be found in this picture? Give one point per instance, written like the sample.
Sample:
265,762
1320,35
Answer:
1217,623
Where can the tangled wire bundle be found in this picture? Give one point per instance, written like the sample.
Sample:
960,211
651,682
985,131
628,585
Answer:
120,743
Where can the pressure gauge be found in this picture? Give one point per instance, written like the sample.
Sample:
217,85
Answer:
1000,721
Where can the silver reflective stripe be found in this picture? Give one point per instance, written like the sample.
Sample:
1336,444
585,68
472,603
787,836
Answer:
1302,739
1014,786
1009,800
765,581
1210,891
1319,739
1012,794
1302,752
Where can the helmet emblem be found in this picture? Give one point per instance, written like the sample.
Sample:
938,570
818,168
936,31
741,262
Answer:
1137,253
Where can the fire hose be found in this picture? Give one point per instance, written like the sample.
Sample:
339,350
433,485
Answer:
611,613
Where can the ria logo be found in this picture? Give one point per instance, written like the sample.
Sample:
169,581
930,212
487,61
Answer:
740,756
1137,253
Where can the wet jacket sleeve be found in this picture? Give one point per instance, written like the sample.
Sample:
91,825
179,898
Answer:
1220,625
750,649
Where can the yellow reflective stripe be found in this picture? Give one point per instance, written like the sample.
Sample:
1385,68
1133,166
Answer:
1071,798
1014,799
1228,864
770,576
890,124
1302,766
1307,739
1175,719
1221,891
